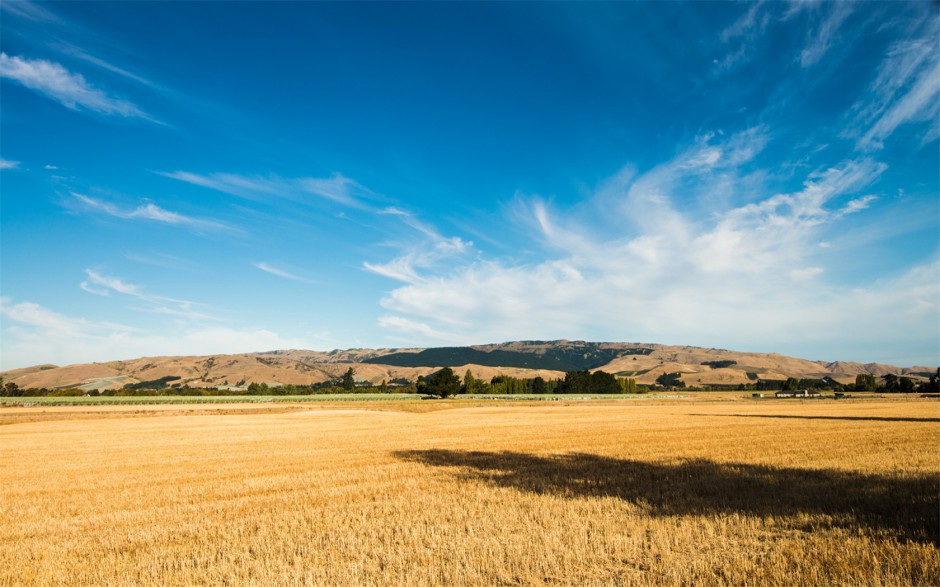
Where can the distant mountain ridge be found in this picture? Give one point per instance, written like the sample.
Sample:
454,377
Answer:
548,359
560,357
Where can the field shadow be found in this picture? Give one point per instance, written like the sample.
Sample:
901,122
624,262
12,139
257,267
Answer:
846,418
905,507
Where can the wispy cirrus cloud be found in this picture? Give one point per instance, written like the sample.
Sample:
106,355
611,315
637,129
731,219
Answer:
82,54
69,89
161,260
906,90
278,272
824,21
103,285
7,164
822,37
29,10
411,327
427,253
152,212
336,188
744,31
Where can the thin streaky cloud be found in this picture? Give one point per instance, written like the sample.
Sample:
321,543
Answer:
421,329
29,10
747,29
78,53
822,38
745,25
337,188
151,211
7,164
280,272
919,103
429,253
906,90
100,284
161,260
69,89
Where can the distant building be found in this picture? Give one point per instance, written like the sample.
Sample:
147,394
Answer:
801,393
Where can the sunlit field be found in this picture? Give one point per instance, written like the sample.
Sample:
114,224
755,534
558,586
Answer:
457,493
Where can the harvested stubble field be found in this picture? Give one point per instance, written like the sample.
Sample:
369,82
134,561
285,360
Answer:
596,492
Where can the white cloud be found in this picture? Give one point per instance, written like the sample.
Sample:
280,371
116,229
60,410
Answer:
426,255
280,272
423,331
70,89
822,37
746,24
34,334
747,30
151,211
161,260
85,56
906,90
648,265
99,284
857,205
32,314
337,188
825,21
7,164
805,274
29,10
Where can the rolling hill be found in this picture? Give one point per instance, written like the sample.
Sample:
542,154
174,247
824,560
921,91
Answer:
547,359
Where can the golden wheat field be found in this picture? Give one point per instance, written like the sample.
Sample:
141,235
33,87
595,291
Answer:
461,493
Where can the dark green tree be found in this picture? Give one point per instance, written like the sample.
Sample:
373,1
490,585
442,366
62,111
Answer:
933,385
891,383
11,389
864,382
538,385
577,382
384,387
627,384
444,383
791,384
349,380
258,389
906,385
603,382
469,382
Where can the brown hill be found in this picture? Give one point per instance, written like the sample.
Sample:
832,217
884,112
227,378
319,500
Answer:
645,362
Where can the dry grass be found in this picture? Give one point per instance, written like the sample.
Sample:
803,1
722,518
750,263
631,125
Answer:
624,492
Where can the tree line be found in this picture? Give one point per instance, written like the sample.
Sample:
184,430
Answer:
445,383
890,383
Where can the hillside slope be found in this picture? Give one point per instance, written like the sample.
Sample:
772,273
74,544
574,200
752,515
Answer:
547,359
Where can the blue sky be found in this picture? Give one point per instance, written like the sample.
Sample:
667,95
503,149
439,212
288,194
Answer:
208,177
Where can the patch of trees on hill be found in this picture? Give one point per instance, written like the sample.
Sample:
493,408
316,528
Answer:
720,364
589,356
161,383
